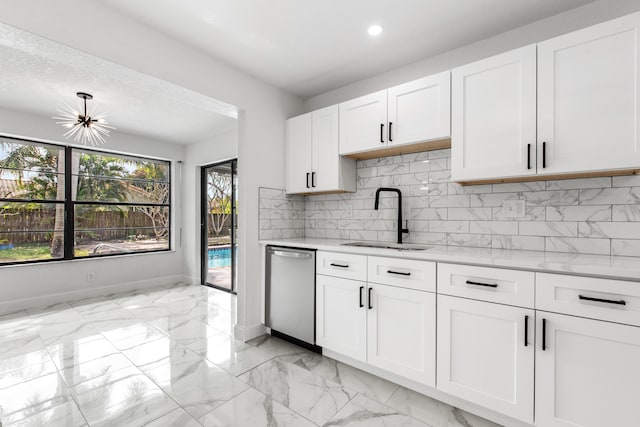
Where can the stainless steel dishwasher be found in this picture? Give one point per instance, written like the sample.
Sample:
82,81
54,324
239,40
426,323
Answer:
291,294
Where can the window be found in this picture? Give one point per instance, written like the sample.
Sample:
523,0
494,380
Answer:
62,203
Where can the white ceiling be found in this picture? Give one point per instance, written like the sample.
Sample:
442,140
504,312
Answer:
310,47
38,76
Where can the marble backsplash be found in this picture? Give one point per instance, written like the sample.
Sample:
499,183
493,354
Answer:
592,215
281,216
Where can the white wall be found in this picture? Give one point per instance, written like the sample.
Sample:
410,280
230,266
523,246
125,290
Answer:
571,20
212,150
96,29
38,284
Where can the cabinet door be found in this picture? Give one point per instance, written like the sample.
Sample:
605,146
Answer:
493,132
298,149
588,87
341,316
420,110
363,123
325,158
402,332
588,375
484,356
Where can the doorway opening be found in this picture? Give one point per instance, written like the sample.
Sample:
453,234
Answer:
219,225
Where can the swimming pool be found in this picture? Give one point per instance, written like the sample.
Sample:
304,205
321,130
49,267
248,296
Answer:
219,257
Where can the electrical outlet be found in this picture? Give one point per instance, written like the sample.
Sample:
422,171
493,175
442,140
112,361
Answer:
514,209
349,211
91,277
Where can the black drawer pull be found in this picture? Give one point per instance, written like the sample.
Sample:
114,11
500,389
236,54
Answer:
390,124
382,133
488,285
544,155
544,334
370,306
402,273
528,156
361,289
308,180
608,301
526,331
339,265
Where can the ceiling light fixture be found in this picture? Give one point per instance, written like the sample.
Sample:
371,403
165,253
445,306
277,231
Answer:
86,127
375,30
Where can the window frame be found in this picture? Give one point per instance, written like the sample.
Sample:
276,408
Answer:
69,229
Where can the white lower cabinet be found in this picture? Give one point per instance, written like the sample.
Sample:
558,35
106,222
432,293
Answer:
587,373
401,329
341,316
484,355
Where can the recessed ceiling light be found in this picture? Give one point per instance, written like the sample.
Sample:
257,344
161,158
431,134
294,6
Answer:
375,30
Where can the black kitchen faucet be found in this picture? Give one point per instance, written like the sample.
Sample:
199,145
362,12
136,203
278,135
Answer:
393,190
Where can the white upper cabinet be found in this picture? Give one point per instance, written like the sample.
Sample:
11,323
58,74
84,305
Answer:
493,133
419,110
587,372
396,118
588,88
313,162
363,123
298,153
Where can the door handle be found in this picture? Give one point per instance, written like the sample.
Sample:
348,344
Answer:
339,265
402,273
608,301
361,303
544,334
489,285
369,299
308,180
390,124
528,156
313,179
382,133
291,254
526,331
544,154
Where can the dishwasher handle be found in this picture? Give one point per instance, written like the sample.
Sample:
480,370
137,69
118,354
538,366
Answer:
287,254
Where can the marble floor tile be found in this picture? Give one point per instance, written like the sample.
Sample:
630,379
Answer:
64,415
195,383
29,398
67,331
129,333
25,367
121,398
82,350
14,346
304,392
48,309
348,376
17,327
149,354
231,355
86,371
365,412
176,418
434,412
216,317
252,408
276,346
185,330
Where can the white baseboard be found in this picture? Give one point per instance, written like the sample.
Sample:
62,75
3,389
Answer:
42,300
245,333
429,391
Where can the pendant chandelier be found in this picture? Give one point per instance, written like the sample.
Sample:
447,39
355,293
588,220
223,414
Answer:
88,127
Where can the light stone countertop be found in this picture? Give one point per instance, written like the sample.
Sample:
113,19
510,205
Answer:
626,268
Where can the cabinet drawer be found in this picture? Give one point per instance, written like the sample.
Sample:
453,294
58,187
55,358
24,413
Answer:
406,273
499,285
347,266
604,299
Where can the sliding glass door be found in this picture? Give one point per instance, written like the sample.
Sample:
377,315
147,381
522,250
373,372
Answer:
219,225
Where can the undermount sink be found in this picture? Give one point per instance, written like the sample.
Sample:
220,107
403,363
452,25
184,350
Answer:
398,246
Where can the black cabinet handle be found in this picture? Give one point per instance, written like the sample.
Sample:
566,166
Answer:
489,285
382,132
369,299
313,179
528,156
361,289
308,180
390,123
339,265
526,331
544,154
544,334
402,273
608,301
